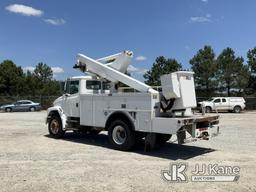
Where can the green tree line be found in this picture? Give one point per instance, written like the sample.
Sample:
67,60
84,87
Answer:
14,81
225,74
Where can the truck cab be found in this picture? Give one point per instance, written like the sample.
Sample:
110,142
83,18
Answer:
74,88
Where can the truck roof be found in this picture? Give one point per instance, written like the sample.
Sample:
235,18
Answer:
180,72
24,101
81,77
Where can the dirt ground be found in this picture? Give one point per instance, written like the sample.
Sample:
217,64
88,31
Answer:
32,161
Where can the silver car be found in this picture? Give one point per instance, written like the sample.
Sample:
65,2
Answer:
22,105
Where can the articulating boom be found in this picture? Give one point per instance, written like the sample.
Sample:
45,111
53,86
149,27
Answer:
113,69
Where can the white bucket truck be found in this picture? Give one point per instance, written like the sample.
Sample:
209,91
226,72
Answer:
92,104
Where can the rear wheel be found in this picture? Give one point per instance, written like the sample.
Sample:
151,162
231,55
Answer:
237,109
121,136
55,127
8,109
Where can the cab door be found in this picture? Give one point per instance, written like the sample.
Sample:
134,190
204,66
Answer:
217,104
70,103
18,106
88,103
224,104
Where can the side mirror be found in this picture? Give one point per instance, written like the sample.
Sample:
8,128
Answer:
65,87
66,94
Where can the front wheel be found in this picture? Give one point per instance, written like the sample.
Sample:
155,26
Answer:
208,109
237,109
121,136
55,127
8,109
32,109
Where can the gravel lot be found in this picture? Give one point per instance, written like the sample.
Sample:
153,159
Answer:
32,161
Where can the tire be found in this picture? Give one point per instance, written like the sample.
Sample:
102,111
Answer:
208,109
55,127
237,109
162,138
32,109
121,136
8,109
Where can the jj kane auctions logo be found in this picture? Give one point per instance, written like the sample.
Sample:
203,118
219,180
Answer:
201,173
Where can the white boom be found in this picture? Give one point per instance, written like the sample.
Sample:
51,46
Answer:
119,61
113,70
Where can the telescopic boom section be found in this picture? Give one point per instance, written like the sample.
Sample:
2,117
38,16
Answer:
113,70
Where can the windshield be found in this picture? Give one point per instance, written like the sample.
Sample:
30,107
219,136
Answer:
210,99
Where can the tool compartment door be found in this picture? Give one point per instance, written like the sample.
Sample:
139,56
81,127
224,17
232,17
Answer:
86,110
165,125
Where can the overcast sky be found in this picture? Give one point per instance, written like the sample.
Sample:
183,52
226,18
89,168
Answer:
54,31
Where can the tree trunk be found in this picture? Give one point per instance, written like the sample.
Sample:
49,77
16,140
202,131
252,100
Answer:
228,87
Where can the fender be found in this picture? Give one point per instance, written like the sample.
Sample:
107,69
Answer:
57,110
120,114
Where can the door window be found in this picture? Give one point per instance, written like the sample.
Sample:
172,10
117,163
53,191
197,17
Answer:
72,87
105,85
26,102
217,101
224,100
92,84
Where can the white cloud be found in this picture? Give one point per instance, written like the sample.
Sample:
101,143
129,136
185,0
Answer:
55,21
133,69
24,10
187,47
28,68
204,1
30,11
201,19
208,15
141,58
57,70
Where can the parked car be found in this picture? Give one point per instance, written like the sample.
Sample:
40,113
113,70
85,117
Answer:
22,105
235,104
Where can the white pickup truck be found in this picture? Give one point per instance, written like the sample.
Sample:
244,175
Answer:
235,104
